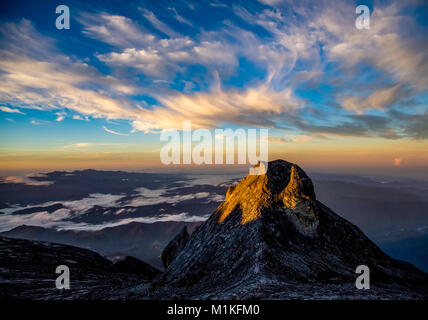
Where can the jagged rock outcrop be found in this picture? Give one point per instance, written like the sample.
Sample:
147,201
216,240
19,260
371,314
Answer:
270,235
174,247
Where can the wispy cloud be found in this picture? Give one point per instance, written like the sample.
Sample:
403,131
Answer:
27,180
255,106
79,145
180,18
64,218
38,122
156,23
115,30
277,140
114,132
60,116
10,110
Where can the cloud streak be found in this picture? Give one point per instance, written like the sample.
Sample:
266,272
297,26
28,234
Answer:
114,132
11,110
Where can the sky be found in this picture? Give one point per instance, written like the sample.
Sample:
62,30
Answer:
334,97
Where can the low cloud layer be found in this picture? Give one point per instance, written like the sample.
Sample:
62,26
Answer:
114,205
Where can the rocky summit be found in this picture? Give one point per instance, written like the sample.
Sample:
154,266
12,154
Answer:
271,238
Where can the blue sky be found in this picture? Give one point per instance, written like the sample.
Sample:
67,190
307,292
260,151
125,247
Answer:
128,69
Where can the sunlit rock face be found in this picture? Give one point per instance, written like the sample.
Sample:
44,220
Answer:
285,187
271,232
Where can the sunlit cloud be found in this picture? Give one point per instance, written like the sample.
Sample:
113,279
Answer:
255,106
27,180
114,29
79,145
114,132
10,110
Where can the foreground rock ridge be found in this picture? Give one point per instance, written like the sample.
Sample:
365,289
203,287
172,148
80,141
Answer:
271,233
28,272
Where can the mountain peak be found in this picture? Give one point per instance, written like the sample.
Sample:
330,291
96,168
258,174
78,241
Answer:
284,186
271,232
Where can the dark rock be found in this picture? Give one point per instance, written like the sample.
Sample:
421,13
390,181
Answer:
28,272
174,247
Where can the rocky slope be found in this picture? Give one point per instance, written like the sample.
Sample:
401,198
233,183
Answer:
144,241
27,271
271,238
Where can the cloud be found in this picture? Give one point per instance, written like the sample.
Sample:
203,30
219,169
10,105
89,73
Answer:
10,110
166,57
28,82
271,2
114,132
149,197
41,219
149,61
374,69
412,125
38,122
380,99
58,83
64,218
79,145
302,138
60,219
60,116
156,23
27,180
114,29
96,199
78,117
386,45
254,107
277,139
180,18
397,53
184,216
